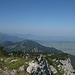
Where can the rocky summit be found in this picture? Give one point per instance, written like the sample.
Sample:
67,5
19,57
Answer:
38,63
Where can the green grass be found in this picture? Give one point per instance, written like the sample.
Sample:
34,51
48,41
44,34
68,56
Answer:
15,65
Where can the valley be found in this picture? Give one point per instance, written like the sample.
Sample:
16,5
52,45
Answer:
65,46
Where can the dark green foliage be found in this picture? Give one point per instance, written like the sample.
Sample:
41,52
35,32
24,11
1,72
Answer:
17,53
3,52
1,48
62,56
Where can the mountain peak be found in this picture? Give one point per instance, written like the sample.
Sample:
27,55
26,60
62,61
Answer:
29,45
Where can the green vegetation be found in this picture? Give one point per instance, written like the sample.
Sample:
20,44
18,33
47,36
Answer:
17,53
13,62
3,52
55,63
15,65
62,56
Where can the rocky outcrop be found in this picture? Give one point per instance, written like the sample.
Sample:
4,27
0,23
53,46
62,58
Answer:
39,68
67,67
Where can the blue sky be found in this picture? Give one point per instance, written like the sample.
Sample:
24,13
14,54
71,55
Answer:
42,17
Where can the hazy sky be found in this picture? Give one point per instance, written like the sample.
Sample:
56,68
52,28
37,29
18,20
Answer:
43,17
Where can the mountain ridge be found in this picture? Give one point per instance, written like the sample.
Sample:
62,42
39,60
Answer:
7,37
29,45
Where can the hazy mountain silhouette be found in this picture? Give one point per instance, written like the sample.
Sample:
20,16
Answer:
6,37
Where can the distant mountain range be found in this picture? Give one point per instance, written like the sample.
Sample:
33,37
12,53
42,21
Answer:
39,38
6,37
45,37
18,37
28,45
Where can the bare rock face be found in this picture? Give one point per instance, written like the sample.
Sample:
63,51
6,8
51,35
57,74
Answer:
21,68
13,72
39,68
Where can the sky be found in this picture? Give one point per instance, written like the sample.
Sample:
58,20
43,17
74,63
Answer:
42,17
